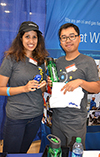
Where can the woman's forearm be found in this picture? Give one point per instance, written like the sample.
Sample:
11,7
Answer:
12,90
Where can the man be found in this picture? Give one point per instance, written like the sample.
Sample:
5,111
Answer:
76,70
93,103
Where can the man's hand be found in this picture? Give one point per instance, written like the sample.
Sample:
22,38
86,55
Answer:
49,81
70,86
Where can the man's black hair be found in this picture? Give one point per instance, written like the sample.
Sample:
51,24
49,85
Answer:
67,25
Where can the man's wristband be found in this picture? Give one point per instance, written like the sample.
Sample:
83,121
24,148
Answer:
8,91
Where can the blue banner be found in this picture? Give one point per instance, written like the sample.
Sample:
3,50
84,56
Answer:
84,14
13,13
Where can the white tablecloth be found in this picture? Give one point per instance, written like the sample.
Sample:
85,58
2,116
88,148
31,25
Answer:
91,153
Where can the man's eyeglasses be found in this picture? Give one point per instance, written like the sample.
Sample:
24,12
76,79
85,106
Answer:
71,37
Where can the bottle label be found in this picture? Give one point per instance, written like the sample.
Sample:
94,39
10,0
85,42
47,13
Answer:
76,155
54,75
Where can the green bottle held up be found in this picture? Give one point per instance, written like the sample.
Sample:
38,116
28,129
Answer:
52,70
54,149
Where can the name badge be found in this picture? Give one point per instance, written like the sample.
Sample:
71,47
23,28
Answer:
33,61
71,68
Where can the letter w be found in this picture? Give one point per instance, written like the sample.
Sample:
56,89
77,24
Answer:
94,37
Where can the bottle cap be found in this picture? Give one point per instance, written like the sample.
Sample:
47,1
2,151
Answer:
37,78
50,59
55,142
78,140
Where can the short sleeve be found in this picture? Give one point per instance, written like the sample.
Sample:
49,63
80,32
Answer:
6,67
92,72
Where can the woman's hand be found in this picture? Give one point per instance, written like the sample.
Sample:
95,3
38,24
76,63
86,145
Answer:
31,86
42,84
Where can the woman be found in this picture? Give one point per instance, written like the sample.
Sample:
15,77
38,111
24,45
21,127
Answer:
23,61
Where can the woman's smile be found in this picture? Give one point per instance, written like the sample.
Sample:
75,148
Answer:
30,41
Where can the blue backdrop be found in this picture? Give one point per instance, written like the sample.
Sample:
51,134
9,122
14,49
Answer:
12,14
85,14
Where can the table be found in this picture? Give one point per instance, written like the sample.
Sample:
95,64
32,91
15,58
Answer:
85,154
25,155
91,153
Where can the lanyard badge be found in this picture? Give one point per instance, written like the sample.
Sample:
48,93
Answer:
33,61
71,68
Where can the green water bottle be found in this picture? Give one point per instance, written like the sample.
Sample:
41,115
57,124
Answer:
54,149
52,69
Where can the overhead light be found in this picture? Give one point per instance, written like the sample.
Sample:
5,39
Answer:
3,4
30,13
7,11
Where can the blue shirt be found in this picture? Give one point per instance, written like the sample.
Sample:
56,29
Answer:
92,104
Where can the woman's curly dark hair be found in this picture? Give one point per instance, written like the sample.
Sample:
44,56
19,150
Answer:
17,52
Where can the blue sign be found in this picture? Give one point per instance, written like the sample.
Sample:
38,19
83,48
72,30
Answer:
84,14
